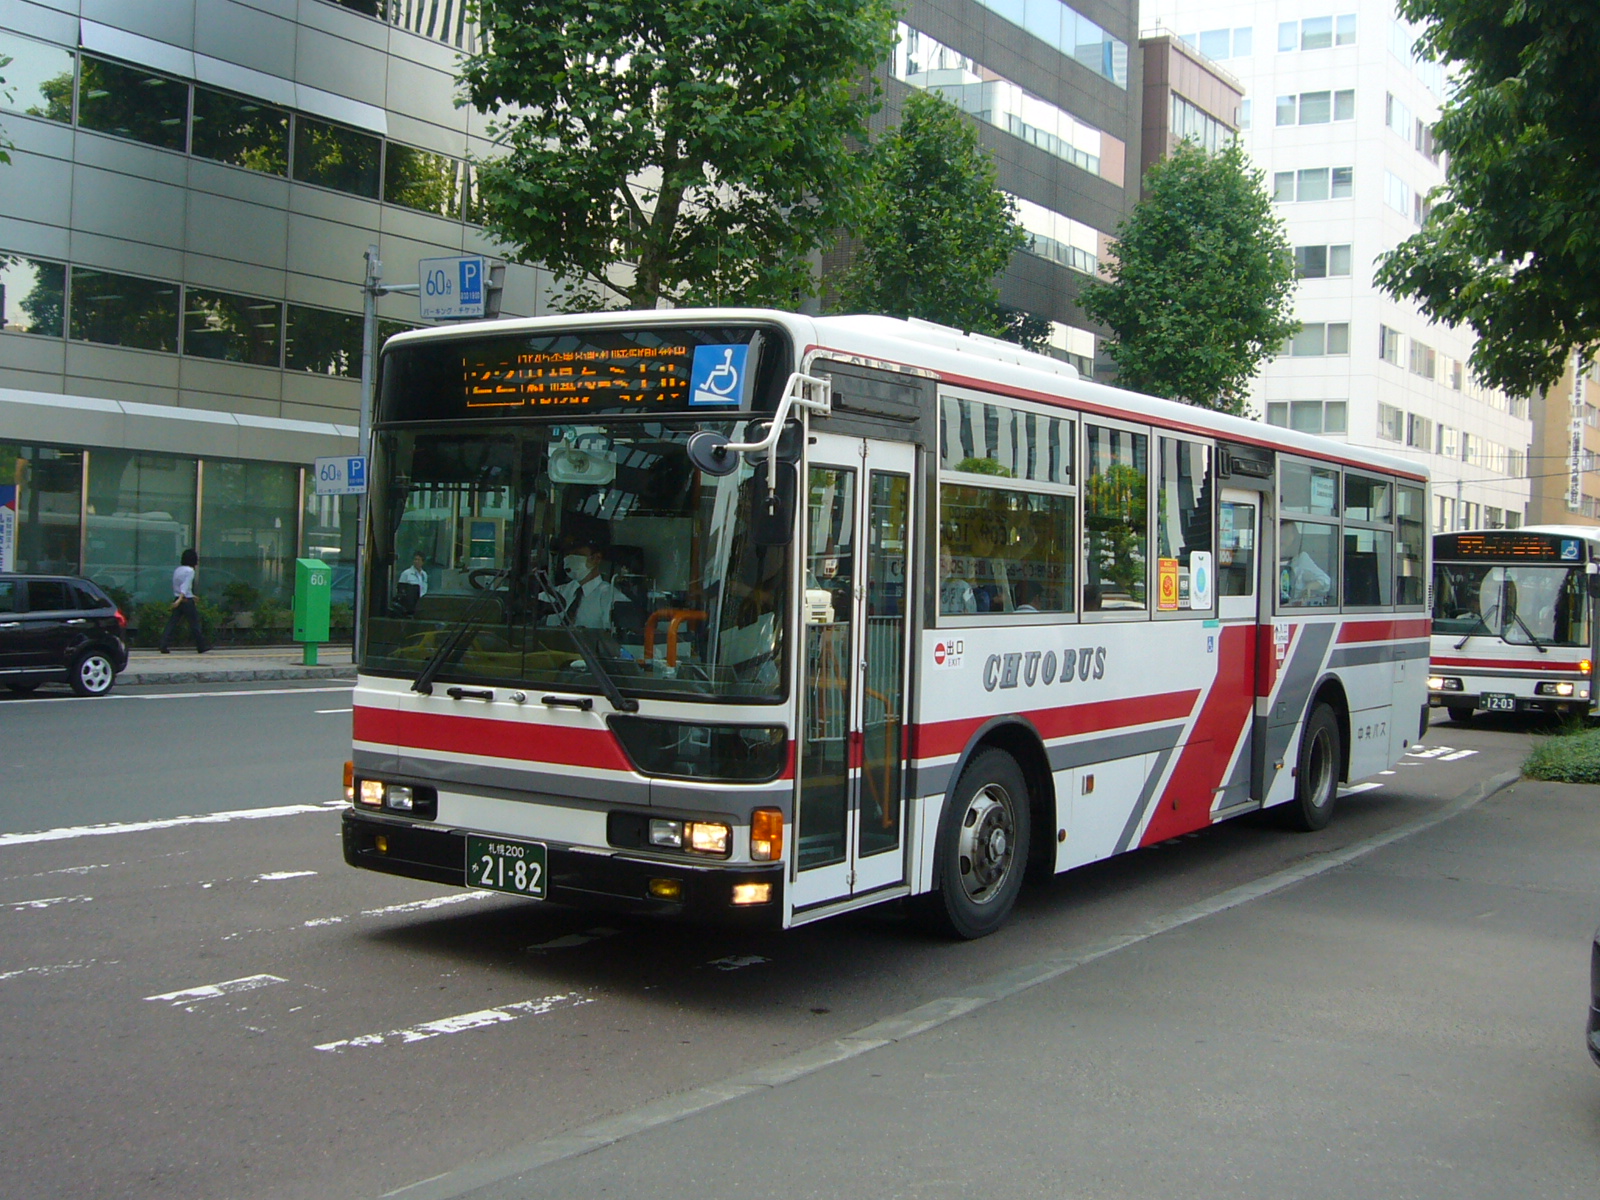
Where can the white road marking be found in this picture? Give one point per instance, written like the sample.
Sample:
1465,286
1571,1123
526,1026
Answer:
1385,772
1359,787
46,902
210,991
424,905
1459,754
315,921
182,695
1428,752
460,1023
569,940
322,712
217,818
270,876
735,962
53,969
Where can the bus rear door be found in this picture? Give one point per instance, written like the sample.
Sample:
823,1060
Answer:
1245,665
853,687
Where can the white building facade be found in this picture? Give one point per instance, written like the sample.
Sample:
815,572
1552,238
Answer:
1339,113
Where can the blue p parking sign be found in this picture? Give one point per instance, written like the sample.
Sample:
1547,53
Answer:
718,375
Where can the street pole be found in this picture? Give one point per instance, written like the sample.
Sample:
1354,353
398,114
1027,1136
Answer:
369,349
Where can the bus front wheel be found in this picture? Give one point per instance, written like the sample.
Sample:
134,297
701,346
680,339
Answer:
1316,779
983,847
1459,713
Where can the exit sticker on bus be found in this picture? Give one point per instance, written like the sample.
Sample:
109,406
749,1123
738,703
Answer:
947,653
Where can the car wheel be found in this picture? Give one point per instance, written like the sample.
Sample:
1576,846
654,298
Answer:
93,674
983,847
1459,713
1316,779
22,689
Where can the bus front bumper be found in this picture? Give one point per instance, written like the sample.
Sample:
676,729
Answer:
603,881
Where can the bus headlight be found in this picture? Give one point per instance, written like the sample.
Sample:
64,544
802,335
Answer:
1553,689
370,792
399,797
1435,684
709,837
1443,683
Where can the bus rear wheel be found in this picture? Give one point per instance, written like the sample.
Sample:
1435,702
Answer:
983,847
1316,780
1459,713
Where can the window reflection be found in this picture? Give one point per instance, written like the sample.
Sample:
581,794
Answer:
1059,238
140,518
133,102
1183,511
48,502
123,310
248,528
991,439
1115,518
238,329
336,156
1004,551
1068,31
241,132
38,78
32,295
325,342
427,182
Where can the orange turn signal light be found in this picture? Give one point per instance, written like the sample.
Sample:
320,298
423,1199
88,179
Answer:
766,835
350,781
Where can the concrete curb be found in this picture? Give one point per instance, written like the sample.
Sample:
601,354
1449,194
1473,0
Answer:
131,678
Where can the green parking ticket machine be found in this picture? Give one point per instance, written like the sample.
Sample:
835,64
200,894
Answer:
313,592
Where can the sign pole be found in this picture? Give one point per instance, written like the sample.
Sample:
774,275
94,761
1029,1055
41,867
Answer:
369,338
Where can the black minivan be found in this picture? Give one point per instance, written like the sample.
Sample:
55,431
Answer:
58,628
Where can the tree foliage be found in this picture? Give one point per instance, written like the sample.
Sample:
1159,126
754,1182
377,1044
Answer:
1202,283
705,142
936,231
1512,246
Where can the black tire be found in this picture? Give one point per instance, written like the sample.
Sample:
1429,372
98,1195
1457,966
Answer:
983,847
1459,713
93,673
1316,777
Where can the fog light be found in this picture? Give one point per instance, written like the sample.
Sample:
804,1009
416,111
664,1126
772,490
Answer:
709,837
398,798
1435,684
667,833
752,893
381,843
666,889
370,792
350,782
766,835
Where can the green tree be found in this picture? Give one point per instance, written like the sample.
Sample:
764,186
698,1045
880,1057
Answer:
1511,247
936,231
1202,282
688,151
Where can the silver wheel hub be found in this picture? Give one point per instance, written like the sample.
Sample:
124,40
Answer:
95,673
987,843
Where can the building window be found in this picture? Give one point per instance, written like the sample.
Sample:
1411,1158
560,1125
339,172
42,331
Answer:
1244,113
427,182
1191,124
32,295
140,518
123,310
134,103
38,78
322,341
241,329
1317,340
1068,31
1317,108
1321,262
1389,345
923,62
1423,359
1449,442
335,156
1218,44
1391,423
1419,432
249,522
240,132
49,505
1317,33
1059,238
1319,183
1308,416
1115,515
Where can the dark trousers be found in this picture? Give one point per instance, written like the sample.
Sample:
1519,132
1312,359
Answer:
186,611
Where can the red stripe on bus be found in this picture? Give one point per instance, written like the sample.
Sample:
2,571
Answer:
951,737
1384,631
1521,664
1185,803
491,738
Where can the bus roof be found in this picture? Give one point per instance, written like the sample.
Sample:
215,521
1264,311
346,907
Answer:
956,358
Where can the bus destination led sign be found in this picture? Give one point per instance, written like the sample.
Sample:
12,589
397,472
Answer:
1510,546
614,379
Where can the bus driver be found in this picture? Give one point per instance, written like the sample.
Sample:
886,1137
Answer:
586,598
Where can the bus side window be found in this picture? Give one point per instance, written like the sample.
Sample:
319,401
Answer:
1236,555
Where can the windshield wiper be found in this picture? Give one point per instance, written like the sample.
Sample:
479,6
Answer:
1532,637
591,653
424,680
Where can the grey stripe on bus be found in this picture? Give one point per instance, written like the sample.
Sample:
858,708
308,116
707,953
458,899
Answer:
1146,795
1300,675
1361,656
930,780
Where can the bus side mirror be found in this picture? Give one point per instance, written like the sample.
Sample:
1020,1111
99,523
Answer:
1594,587
772,511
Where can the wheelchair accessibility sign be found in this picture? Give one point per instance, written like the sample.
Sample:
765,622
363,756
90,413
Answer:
718,375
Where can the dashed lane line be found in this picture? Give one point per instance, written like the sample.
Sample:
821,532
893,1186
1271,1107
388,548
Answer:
210,991
126,697
69,832
460,1023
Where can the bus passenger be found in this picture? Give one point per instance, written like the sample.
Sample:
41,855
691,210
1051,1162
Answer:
1301,582
955,592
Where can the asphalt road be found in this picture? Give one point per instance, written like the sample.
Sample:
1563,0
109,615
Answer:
224,1009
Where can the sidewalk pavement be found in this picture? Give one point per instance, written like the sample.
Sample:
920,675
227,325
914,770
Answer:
234,664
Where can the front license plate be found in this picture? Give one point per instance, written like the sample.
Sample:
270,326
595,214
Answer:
1498,702
501,865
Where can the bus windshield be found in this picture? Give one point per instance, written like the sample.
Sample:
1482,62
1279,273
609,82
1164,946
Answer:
511,553
1519,603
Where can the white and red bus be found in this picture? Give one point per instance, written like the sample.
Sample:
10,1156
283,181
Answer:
1514,620
746,615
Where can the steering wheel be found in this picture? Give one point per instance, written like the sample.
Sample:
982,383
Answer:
481,577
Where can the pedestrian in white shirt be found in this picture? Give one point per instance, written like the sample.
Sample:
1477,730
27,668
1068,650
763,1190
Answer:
183,605
416,574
